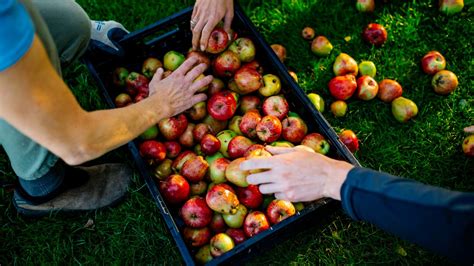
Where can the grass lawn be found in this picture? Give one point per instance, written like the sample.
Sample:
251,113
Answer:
427,149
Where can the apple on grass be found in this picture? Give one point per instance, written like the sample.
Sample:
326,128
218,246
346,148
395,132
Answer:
196,213
367,68
280,51
375,34
175,189
451,7
277,106
468,146
279,210
444,82
220,244
367,88
349,138
222,199
342,87
321,46
344,65
404,109
389,90
196,237
366,6
172,60
308,33
339,108
293,75
316,142
255,223
433,62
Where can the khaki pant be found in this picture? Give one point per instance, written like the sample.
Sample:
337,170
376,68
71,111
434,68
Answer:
64,29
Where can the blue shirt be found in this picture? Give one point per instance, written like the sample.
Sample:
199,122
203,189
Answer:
435,218
16,32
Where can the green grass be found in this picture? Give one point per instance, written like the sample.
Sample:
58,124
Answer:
426,149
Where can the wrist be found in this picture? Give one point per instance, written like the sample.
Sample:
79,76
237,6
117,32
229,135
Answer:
337,177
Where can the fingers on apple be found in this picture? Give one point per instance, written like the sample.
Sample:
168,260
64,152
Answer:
229,16
258,178
259,163
278,150
201,97
187,65
206,32
198,84
269,188
195,72
197,33
158,75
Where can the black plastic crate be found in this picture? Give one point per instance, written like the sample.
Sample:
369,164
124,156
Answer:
173,33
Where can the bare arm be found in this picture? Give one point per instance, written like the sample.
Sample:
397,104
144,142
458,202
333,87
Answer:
35,100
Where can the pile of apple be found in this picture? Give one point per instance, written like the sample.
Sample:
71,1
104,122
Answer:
448,7
196,155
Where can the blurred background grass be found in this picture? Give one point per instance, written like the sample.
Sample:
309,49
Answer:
427,149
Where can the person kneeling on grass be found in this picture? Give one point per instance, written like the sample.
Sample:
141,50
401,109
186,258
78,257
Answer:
44,130
435,218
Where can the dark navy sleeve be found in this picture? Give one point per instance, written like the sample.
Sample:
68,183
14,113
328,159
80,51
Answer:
16,32
437,219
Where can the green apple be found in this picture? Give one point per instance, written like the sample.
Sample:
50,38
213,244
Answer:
299,206
150,133
317,101
234,124
217,170
236,220
272,85
163,170
367,68
282,143
236,176
215,156
225,136
173,60
220,244
404,109
451,7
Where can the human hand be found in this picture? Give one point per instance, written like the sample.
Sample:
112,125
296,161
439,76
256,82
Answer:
206,15
176,93
469,129
297,175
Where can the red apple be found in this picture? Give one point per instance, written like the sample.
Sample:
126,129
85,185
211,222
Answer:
248,125
215,86
468,146
349,138
389,90
444,82
195,212
433,62
294,129
247,80
308,33
171,128
221,199
119,76
236,234
220,244
269,129
321,46
186,139
153,150
250,196
226,64
173,148
342,87
255,223
134,81
345,65
201,57
367,88
280,51
253,148
175,189
122,100
249,102
222,105
197,237
276,106
316,142
375,34
254,65
210,144
194,169
218,41
244,48
150,65
200,130
339,108
181,159
237,146
217,170
367,6
217,224
279,210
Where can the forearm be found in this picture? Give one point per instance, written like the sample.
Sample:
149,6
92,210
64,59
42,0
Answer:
435,218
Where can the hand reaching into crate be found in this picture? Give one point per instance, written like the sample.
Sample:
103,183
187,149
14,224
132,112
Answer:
206,15
176,93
